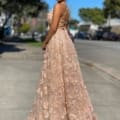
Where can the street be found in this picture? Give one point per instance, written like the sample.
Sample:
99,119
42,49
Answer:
20,72
102,75
103,52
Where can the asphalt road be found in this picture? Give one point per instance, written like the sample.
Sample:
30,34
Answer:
20,67
103,80
102,52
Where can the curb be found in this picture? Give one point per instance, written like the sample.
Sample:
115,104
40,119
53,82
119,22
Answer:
110,71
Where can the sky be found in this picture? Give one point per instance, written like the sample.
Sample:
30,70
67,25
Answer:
74,5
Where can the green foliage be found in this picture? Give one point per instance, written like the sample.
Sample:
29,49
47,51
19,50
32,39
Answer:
24,28
16,6
22,7
32,42
73,23
112,7
94,15
41,28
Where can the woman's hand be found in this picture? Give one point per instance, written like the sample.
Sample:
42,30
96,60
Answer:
44,46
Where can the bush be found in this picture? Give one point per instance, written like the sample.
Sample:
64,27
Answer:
24,28
41,28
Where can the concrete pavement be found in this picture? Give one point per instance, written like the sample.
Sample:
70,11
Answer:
101,52
103,57
104,92
20,73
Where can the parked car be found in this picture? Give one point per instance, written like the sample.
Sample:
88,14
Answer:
99,35
39,36
106,34
1,33
82,35
110,36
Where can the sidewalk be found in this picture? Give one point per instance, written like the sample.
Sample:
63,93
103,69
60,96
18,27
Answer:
20,73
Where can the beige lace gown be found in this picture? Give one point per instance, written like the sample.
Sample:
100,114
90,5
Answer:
61,92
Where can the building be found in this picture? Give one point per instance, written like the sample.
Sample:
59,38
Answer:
38,23
114,24
88,27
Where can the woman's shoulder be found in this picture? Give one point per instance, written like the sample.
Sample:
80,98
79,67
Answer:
57,6
61,6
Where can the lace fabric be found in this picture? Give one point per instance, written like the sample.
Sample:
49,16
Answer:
61,92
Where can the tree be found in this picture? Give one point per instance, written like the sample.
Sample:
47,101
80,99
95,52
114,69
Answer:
24,28
94,15
73,23
21,7
112,8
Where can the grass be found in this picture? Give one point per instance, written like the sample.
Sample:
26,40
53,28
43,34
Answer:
32,42
35,44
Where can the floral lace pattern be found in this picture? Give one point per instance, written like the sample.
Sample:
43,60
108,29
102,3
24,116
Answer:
61,92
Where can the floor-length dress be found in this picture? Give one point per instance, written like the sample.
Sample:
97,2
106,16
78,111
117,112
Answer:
61,92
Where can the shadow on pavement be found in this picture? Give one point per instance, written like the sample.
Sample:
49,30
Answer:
9,48
13,39
16,39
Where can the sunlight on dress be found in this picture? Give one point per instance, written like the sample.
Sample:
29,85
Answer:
61,92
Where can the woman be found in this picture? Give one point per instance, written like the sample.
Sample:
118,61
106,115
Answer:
61,93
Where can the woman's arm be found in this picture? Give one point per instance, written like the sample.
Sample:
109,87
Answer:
53,26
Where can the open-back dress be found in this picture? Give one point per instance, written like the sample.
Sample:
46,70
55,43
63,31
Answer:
61,92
